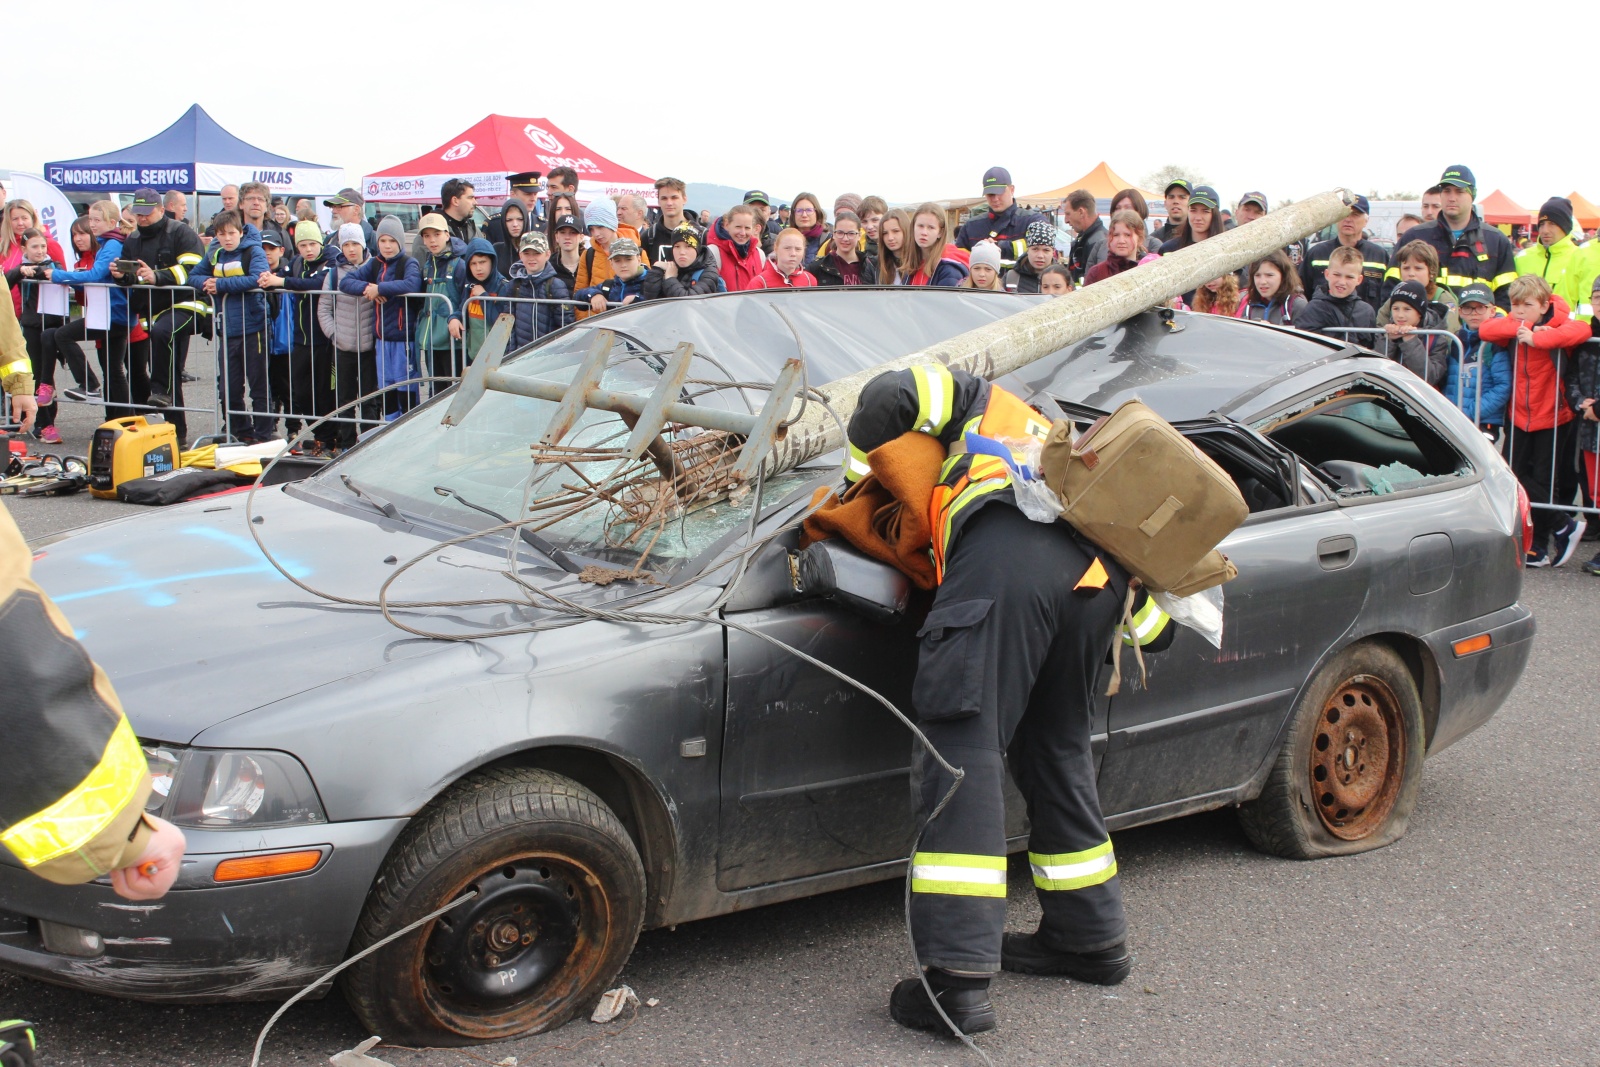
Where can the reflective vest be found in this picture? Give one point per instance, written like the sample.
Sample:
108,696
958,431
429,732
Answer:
980,461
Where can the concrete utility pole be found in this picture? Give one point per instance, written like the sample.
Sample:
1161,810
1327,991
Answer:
1007,344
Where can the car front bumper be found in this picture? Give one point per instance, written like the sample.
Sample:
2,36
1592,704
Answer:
203,941
1472,687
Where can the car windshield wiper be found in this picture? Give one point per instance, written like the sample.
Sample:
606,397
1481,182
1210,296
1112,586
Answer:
382,505
560,558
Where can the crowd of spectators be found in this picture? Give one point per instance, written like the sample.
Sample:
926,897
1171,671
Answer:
306,321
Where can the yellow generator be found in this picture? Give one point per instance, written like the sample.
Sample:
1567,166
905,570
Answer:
129,448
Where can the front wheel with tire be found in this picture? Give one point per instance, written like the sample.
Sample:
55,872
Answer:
1349,772
559,902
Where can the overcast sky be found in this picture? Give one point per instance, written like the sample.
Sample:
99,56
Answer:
910,102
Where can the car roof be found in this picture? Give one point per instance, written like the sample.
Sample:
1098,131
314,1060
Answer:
1185,369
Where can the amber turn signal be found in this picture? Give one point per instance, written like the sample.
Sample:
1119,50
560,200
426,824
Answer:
1467,646
273,866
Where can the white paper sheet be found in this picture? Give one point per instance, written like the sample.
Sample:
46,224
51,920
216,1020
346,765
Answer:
52,299
97,307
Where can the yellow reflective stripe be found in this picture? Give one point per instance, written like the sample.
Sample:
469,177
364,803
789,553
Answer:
958,874
199,307
19,366
74,820
189,259
179,275
936,397
856,466
1503,279
968,495
1074,870
1379,266
1392,274
1148,622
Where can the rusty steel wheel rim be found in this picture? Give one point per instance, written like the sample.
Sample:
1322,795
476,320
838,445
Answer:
485,980
1358,753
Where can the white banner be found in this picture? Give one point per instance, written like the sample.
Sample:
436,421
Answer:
293,180
55,210
424,188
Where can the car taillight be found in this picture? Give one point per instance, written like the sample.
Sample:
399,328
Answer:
1525,515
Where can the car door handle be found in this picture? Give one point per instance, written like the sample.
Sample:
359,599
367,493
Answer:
1336,553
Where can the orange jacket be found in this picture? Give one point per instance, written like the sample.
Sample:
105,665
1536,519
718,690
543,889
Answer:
1538,399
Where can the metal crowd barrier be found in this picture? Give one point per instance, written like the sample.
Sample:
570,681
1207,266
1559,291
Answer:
1552,476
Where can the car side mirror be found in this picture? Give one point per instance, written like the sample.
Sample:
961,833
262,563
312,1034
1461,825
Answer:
838,571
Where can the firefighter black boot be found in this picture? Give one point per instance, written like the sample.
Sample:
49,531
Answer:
1030,954
965,998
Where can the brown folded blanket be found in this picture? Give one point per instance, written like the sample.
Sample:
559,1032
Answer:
885,514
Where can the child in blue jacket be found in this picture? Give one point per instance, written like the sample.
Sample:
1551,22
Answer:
625,286
387,278
477,276
533,278
229,273
1483,394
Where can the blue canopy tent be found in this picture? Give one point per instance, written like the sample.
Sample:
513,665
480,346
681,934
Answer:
194,154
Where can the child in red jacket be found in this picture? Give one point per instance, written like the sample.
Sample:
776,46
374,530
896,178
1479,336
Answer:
1542,429
783,269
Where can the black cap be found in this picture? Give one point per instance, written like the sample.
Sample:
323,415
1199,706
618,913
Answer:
145,201
1203,196
567,222
1176,183
344,198
756,196
271,237
528,179
1412,293
1258,199
1558,209
1359,203
1476,293
1459,174
995,180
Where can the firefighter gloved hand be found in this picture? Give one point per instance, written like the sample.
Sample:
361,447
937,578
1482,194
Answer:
153,873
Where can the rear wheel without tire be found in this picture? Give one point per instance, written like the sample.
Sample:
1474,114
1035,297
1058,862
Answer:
1349,772
560,901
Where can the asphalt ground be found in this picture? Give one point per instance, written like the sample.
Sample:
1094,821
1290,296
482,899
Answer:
1473,940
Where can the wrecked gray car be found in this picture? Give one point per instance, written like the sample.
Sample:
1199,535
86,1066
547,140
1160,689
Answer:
341,770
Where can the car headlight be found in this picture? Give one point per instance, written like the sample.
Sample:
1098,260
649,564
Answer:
224,790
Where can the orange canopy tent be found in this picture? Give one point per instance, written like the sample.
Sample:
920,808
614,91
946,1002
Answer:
1498,209
1101,182
1584,212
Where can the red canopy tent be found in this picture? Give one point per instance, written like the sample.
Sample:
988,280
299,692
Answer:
1498,209
499,145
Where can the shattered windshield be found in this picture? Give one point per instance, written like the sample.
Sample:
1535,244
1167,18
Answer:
477,474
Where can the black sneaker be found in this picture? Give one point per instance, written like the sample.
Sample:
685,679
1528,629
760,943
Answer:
82,396
160,400
969,1009
1027,954
1564,542
1593,567
187,378
1536,559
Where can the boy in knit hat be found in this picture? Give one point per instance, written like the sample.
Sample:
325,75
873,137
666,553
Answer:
1410,310
387,279
308,387
1483,389
984,268
1024,277
594,263
350,321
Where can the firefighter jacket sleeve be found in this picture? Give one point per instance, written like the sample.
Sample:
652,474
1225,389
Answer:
73,779
16,369
929,399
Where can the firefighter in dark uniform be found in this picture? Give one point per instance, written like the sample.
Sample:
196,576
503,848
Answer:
1020,628
167,250
1004,223
1374,260
73,778
1469,250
